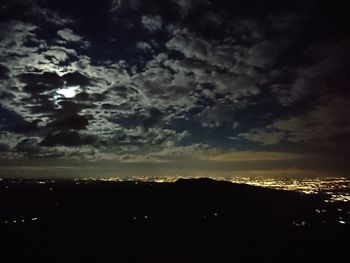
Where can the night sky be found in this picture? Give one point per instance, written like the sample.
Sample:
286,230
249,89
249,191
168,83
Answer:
174,87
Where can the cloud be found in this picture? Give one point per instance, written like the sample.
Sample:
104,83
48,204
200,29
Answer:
4,72
75,122
324,73
229,67
10,139
214,116
144,46
176,73
153,118
285,23
68,35
24,51
204,153
264,137
29,145
67,138
255,156
227,54
122,5
115,5
265,53
4,147
121,99
14,34
152,23
324,126
211,20
190,46
76,79
39,83
186,5
325,122
194,151
34,10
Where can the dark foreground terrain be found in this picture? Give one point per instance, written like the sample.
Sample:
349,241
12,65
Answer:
186,221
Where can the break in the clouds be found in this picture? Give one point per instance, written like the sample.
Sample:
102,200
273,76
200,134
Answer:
176,82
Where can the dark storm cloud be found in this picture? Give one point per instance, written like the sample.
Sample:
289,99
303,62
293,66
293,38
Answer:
74,122
153,118
320,70
139,76
37,104
12,122
67,138
186,5
325,125
145,119
4,71
122,5
4,147
32,10
39,83
75,79
29,146
26,128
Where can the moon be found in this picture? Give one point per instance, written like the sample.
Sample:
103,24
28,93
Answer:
68,92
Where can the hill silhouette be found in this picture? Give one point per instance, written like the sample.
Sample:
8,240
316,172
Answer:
190,220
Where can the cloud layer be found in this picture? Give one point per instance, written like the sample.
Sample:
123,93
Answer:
139,81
